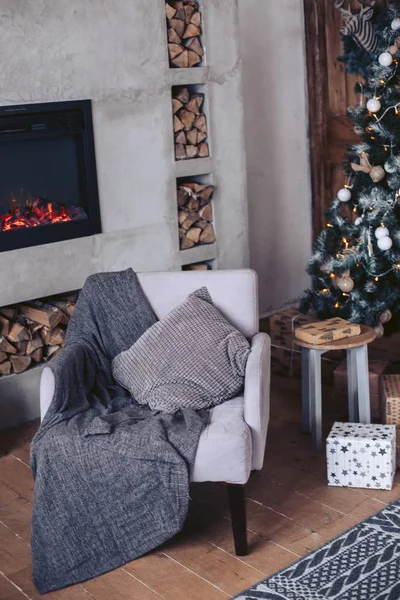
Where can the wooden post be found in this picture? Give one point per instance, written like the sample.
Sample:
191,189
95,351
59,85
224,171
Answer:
314,19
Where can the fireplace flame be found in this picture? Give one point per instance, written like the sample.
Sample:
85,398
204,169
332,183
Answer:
39,212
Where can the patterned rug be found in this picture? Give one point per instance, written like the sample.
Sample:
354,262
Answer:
362,563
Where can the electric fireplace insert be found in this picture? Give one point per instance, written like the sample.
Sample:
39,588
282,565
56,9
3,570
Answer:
48,182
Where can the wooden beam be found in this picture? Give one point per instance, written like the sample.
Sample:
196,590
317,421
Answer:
316,59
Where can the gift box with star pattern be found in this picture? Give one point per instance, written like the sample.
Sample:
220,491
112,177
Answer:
362,456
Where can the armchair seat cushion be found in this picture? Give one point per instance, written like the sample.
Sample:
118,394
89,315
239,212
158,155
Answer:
224,452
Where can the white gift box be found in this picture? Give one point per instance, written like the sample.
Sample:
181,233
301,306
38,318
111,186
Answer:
361,456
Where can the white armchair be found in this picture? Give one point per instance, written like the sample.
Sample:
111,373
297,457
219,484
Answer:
233,441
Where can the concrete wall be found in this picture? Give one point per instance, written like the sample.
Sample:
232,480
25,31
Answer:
274,80
115,53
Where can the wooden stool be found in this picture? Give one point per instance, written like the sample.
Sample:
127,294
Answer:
357,381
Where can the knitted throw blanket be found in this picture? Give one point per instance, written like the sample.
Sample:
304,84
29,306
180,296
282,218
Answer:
111,477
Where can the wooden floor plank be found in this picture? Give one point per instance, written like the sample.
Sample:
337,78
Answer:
263,555
23,579
17,476
15,554
313,541
306,512
23,453
225,571
277,528
8,591
118,585
171,580
17,516
308,484
6,494
13,438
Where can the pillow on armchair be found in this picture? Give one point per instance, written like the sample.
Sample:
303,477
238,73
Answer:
192,358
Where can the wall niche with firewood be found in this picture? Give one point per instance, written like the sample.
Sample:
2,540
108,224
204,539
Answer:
195,212
207,265
190,122
185,34
33,332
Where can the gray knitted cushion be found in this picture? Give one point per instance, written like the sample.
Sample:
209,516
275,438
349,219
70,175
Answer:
192,358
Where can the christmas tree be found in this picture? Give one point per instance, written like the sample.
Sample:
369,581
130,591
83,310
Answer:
355,266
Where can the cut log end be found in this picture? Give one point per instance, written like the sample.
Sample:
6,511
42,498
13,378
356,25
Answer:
180,151
191,30
176,105
178,25
5,368
201,123
204,151
20,363
17,333
183,95
182,60
208,235
180,138
187,118
175,50
193,58
42,313
196,19
191,151
170,11
195,45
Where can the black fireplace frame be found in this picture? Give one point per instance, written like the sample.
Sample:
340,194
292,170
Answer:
21,122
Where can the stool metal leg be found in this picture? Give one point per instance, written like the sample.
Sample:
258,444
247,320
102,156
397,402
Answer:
364,409
305,389
352,386
315,398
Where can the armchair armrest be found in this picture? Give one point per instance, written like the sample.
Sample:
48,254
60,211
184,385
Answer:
47,387
257,395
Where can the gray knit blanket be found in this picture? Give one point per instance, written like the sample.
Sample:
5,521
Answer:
111,476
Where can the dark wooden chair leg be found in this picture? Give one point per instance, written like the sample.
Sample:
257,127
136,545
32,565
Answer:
237,504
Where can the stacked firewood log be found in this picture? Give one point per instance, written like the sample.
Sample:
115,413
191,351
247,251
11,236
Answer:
33,332
195,215
184,29
190,124
197,267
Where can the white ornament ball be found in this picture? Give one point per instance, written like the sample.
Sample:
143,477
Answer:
395,24
345,284
385,59
344,195
385,243
358,221
373,105
381,232
389,167
385,316
379,331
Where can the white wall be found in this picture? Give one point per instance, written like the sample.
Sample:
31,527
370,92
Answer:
279,194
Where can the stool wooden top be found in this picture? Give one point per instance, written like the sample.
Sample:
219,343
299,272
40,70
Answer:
366,336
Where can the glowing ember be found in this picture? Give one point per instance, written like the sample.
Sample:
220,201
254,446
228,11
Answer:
39,212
